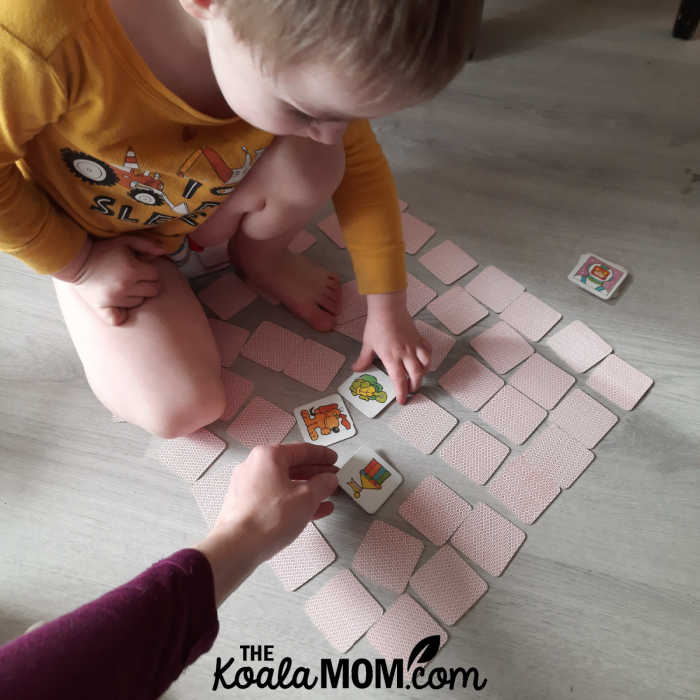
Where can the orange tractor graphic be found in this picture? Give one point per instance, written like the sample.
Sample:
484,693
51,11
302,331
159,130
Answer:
326,419
372,476
142,185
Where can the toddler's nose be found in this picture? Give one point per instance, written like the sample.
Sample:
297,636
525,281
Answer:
328,132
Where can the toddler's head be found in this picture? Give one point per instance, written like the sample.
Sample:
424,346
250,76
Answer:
307,67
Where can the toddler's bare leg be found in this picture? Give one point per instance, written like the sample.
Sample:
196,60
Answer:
275,200
160,370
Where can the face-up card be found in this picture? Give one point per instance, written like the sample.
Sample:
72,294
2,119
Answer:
325,421
368,479
598,275
370,391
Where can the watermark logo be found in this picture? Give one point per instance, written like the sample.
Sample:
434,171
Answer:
342,673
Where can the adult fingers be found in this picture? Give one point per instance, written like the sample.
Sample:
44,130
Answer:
306,471
300,453
365,358
317,489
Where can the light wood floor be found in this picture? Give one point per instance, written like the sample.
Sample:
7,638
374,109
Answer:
577,130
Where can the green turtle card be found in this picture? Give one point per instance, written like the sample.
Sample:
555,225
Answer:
371,391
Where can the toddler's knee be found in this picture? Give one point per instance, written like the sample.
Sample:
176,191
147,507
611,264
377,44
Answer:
177,418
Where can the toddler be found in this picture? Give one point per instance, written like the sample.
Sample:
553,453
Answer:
125,125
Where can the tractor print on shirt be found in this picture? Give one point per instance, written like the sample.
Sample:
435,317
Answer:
228,175
141,185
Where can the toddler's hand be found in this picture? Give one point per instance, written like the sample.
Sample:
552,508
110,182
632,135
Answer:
275,492
119,275
392,335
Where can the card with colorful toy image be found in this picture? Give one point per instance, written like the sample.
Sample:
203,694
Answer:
368,479
370,391
325,421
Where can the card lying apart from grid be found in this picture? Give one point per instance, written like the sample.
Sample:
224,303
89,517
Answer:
325,421
368,479
343,610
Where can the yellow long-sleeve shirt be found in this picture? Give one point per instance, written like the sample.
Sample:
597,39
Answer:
92,142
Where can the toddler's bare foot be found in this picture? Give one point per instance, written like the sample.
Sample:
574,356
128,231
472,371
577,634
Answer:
305,288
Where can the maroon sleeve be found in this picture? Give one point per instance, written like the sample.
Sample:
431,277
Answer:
133,642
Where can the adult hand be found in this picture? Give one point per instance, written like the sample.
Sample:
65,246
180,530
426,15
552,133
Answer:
273,494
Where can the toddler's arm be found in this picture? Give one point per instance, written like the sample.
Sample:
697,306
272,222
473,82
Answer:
368,211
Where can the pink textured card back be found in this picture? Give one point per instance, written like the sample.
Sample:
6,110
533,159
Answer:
301,242
502,347
531,316
448,262
488,539
473,452
331,227
579,346
261,423
227,295
209,491
352,305
229,340
304,558
448,585
434,509
512,414
494,288
417,294
343,610
584,418
440,343
619,382
354,329
457,310
422,423
557,455
315,365
190,456
416,233
387,556
401,627
470,382
542,381
272,346
237,389
524,491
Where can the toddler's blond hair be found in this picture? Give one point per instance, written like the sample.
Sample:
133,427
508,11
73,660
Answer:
414,45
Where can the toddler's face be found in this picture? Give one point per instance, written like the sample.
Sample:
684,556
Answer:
307,100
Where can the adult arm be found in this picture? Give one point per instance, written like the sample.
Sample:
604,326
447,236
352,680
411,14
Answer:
134,641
